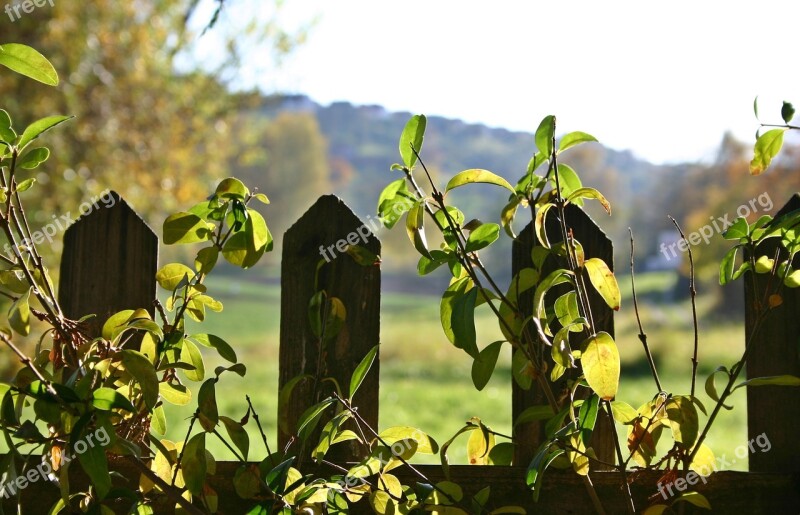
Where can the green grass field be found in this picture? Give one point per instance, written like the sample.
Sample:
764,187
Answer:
425,382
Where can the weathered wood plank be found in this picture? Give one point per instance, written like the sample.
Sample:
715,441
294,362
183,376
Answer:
773,412
109,263
328,222
595,244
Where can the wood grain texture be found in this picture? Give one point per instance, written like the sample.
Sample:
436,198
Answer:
595,244
773,412
327,222
109,263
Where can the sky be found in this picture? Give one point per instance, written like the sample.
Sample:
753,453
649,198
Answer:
664,80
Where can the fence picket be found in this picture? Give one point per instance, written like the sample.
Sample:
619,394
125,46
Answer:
328,222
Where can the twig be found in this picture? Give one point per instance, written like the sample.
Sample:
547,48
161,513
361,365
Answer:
642,334
185,442
258,423
693,293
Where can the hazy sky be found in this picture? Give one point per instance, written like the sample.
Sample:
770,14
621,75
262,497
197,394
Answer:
662,80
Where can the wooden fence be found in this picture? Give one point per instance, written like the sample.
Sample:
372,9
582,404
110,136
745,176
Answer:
109,264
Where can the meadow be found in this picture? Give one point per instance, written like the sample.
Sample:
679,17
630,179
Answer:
425,381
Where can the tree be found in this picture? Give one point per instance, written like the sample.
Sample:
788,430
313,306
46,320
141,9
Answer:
155,134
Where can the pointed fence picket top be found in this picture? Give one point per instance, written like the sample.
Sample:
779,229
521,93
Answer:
109,263
773,412
329,225
595,244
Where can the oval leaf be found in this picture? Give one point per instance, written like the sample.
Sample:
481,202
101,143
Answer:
601,365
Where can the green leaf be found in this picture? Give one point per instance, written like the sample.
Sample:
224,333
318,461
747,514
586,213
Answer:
394,201
683,420
483,236
310,418
175,393
425,444
479,444
483,366
784,380
508,214
477,175
362,255
601,365
755,106
94,463
587,416
545,134
26,184
116,324
33,158
143,371
107,399
539,225
158,422
7,134
232,188
787,112
207,404
171,275
361,370
237,434
766,148
623,412
589,193
19,314
28,62
570,182
191,354
206,260
574,138
415,220
727,265
215,342
603,280
185,227
261,198
413,134
738,230
38,127
535,472
193,464
463,321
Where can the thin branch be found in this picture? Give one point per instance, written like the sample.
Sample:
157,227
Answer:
693,293
642,334
185,443
258,423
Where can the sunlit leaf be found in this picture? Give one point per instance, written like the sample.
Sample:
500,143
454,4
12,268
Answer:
601,365
29,62
361,370
574,138
766,148
603,280
545,134
39,127
476,175
412,136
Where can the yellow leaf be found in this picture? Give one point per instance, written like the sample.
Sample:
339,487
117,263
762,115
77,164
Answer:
601,365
